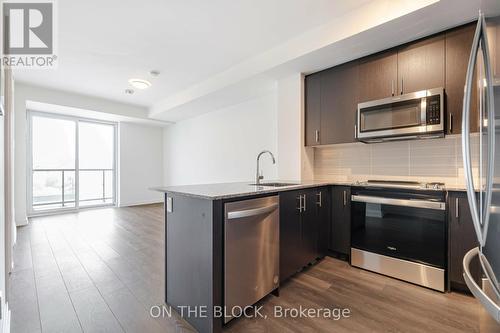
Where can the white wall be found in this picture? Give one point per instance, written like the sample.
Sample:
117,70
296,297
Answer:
289,124
296,161
2,208
24,93
141,163
7,226
222,146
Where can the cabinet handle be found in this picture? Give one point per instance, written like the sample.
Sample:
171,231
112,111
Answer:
317,135
345,198
392,87
355,131
320,200
457,212
304,202
300,203
401,86
450,123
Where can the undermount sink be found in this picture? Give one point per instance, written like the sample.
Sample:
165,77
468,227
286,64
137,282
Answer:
274,184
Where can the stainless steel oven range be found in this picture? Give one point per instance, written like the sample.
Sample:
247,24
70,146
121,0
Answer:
399,230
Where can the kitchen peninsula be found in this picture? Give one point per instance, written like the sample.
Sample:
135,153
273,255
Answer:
196,237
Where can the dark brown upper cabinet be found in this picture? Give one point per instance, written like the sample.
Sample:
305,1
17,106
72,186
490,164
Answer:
378,75
493,29
421,65
312,111
339,102
458,47
436,61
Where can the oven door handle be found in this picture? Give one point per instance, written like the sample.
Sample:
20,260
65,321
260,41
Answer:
436,205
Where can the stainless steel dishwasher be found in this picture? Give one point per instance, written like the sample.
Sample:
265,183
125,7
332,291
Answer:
251,252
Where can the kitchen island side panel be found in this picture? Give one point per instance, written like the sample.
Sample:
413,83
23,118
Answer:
189,246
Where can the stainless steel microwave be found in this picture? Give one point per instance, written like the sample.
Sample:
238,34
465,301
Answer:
410,116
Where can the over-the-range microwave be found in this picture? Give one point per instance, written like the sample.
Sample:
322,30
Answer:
416,115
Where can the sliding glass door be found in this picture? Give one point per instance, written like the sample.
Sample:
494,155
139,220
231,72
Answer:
96,174
53,143
72,163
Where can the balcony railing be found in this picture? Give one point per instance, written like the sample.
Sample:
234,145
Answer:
56,188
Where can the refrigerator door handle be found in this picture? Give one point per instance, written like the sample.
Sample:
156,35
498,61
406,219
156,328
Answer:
480,228
466,131
489,104
490,306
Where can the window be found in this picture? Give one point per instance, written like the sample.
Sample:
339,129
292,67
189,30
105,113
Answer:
96,158
72,163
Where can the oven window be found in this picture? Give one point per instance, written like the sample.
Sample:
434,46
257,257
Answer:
416,234
390,116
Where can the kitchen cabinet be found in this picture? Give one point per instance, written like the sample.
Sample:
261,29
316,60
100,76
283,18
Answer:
315,217
458,47
421,65
340,234
313,110
412,67
462,238
493,29
331,96
323,213
290,233
331,101
339,102
303,220
378,75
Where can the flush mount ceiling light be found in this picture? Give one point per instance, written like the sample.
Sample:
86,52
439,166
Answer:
139,83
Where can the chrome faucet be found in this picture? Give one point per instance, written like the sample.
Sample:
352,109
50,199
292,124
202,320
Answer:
258,176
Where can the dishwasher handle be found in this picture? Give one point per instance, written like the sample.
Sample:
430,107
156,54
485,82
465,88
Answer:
238,214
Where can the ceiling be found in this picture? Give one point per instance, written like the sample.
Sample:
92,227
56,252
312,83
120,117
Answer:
101,44
217,53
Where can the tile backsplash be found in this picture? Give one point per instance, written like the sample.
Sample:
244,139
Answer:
433,160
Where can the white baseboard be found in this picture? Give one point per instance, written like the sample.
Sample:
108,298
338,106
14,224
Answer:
140,203
5,321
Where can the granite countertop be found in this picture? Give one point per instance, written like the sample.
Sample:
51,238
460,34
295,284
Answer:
234,190
242,189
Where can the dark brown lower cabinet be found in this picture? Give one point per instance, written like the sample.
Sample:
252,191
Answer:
340,234
462,238
304,216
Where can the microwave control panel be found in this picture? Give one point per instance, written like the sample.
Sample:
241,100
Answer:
433,110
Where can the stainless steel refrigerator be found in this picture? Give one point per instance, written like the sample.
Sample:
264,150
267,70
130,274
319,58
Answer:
481,161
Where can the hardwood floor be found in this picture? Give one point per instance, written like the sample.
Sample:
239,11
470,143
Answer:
102,270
